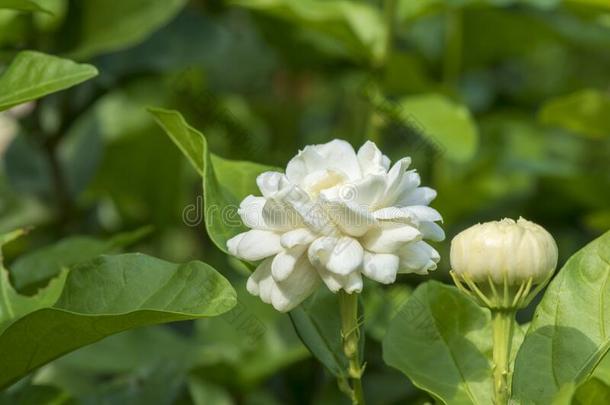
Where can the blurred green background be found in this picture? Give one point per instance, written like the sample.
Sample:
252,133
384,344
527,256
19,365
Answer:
504,106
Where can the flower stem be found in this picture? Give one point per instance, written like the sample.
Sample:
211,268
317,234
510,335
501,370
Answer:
350,333
503,327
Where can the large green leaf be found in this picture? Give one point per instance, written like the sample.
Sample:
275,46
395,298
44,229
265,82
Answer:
446,125
225,182
98,298
570,332
112,25
355,29
442,341
318,323
585,112
32,75
34,269
22,5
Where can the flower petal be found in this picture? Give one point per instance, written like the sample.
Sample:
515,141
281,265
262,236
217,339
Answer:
351,218
255,245
418,196
350,283
432,231
251,212
423,213
345,257
340,155
301,283
299,236
388,239
284,262
260,283
418,257
381,267
371,160
269,183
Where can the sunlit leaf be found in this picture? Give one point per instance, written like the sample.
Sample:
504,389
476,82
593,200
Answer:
355,27
32,75
586,112
112,25
35,268
447,126
441,340
98,298
22,5
570,333
225,182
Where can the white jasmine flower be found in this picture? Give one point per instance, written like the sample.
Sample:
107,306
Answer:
506,250
334,216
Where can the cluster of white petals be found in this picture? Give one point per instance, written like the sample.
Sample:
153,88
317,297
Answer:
506,250
334,216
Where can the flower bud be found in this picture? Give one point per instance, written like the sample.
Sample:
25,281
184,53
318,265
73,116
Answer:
506,253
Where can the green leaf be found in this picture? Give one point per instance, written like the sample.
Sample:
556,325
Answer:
34,269
570,332
32,75
225,182
36,395
355,29
319,327
113,25
442,341
22,5
592,392
586,112
318,323
446,125
99,298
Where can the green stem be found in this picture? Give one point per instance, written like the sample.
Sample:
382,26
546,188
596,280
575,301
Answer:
503,327
350,333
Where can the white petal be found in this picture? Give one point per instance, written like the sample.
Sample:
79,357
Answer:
284,262
319,251
251,212
366,192
345,257
396,173
432,231
333,282
351,218
395,214
418,196
381,267
371,160
388,239
306,161
279,215
340,155
290,292
260,283
269,183
424,213
353,283
299,236
404,185
350,283
255,245
310,212
233,243
320,180
418,257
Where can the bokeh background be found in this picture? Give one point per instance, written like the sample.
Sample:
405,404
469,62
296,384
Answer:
504,106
